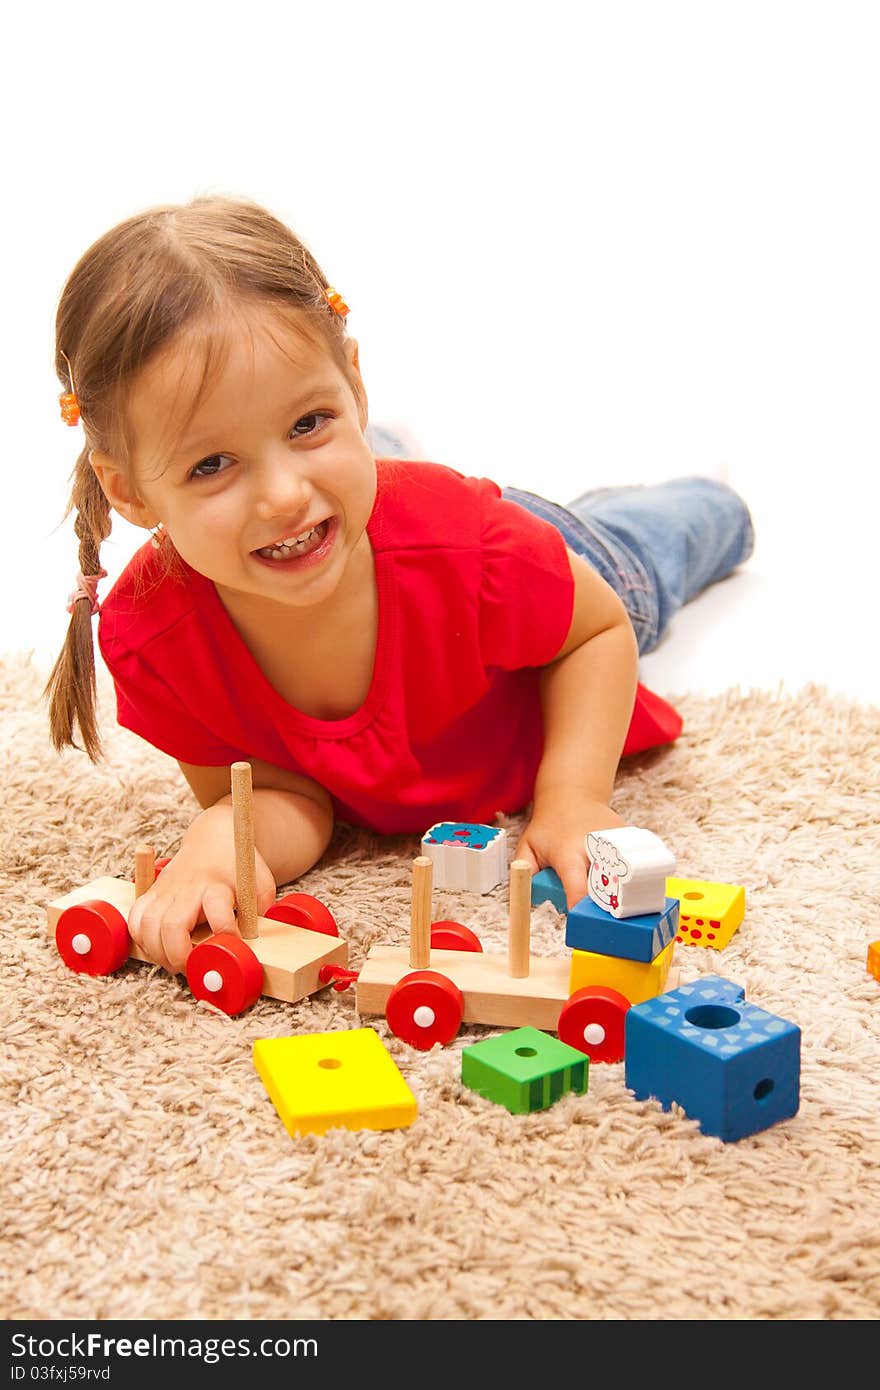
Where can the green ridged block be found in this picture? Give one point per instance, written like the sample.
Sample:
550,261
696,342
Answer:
525,1070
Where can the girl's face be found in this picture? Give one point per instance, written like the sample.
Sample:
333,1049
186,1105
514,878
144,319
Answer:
266,484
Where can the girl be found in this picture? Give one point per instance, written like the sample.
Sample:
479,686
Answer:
386,642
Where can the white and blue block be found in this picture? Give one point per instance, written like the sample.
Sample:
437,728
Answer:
589,927
466,855
733,1067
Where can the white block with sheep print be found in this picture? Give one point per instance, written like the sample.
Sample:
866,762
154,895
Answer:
628,870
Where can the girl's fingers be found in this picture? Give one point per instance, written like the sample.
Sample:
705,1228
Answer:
218,907
176,944
572,870
161,928
145,929
524,851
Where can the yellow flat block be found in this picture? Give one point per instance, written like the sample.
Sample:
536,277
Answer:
345,1080
490,994
291,956
874,959
709,913
637,980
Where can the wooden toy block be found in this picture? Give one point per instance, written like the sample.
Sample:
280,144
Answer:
489,994
466,856
731,1066
873,962
525,1070
345,1080
589,928
427,996
709,913
628,870
547,887
637,979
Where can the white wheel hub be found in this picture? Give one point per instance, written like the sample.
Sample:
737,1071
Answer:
213,981
81,943
594,1034
423,1016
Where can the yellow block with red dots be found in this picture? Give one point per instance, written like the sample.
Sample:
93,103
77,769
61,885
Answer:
874,959
344,1080
637,980
709,913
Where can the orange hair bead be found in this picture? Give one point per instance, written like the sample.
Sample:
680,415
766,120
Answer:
69,408
336,302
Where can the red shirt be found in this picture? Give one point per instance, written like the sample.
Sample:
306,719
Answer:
475,596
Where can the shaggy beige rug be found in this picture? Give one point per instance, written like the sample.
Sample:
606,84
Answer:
146,1174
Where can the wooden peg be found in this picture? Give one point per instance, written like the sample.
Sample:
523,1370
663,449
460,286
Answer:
245,864
519,928
144,869
420,920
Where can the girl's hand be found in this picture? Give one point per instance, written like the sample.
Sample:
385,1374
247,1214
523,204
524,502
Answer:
555,838
195,886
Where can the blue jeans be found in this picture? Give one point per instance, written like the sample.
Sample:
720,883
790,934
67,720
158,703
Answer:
657,546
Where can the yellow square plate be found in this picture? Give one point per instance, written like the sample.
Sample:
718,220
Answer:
347,1080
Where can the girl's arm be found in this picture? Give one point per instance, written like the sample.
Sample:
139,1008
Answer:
293,822
587,693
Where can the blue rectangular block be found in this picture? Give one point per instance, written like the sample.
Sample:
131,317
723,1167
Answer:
731,1066
588,927
547,887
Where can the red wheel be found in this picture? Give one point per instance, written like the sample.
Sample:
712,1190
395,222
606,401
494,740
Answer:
92,938
302,910
424,1008
224,970
592,1020
452,936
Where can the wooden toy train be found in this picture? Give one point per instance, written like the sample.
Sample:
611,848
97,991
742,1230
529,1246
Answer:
426,990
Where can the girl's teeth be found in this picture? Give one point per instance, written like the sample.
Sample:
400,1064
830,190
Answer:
282,550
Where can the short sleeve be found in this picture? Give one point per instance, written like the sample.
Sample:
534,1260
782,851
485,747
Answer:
147,706
526,588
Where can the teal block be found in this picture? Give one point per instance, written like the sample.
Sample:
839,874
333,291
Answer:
524,1070
547,888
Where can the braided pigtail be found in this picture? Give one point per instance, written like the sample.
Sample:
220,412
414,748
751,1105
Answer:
71,689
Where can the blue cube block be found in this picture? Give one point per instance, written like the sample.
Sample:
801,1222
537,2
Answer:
588,927
730,1065
547,887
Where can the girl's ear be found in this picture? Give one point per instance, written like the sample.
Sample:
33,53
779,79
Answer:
357,381
116,488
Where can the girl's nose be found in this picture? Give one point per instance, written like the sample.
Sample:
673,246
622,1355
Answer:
281,488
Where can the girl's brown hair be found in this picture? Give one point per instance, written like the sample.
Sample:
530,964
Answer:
127,297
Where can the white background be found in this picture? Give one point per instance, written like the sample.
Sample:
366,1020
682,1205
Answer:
583,244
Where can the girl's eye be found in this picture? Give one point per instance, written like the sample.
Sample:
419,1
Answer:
210,467
309,424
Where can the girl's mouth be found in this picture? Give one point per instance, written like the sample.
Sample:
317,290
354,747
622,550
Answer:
305,545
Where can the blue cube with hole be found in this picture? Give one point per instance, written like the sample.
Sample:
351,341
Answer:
730,1065
525,1070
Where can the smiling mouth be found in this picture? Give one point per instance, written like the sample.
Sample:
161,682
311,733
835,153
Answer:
292,546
